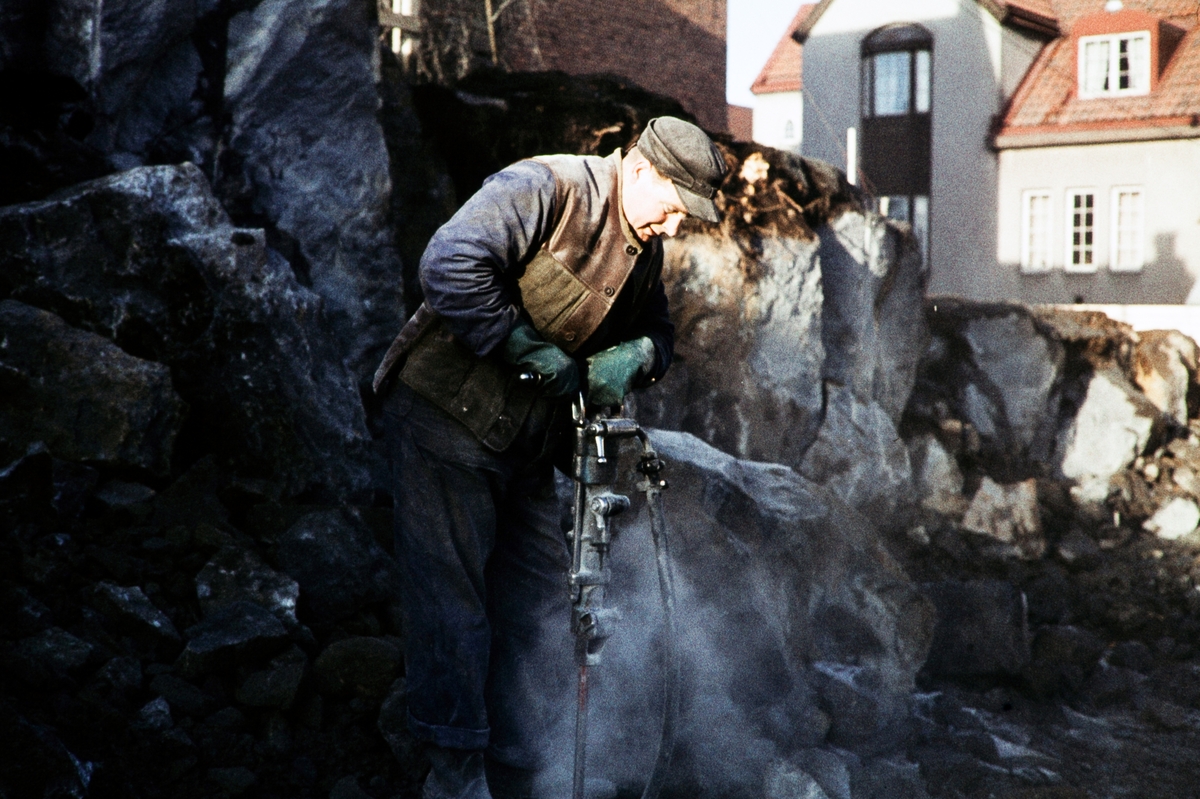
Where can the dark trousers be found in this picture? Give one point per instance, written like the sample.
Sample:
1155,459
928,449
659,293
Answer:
483,560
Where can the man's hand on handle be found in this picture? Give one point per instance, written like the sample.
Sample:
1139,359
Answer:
525,348
611,372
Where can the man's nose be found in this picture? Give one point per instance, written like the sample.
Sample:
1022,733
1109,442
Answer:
671,226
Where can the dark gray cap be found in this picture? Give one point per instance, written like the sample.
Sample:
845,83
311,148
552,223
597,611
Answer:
685,154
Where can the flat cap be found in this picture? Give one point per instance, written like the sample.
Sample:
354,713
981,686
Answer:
684,153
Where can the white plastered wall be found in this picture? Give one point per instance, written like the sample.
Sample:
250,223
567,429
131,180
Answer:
1168,173
772,112
968,86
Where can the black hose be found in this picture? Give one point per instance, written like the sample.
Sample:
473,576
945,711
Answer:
666,585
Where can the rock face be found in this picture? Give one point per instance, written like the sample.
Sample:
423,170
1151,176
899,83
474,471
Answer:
149,260
799,348
306,152
81,395
815,637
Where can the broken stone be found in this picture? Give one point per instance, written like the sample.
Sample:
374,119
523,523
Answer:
936,477
1110,429
786,780
1079,550
1111,685
39,761
133,612
236,574
328,190
156,715
148,259
182,696
393,721
1175,519
1186,478
84,397
359,666
348,788
859,455
1132,655
243,633
52,652
24,614
337,563
828,769
1063,658
235,781
276,686
1009,514
1164,369
981,629
121,495
864,714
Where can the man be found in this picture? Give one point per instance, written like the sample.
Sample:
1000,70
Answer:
546,282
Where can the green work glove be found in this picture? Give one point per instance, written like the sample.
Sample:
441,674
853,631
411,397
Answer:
525,348
611,373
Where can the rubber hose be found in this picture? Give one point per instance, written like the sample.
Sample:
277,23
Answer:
666,586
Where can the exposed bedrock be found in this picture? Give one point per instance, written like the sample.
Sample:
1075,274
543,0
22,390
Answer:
796,629
149,260
306,155
799,331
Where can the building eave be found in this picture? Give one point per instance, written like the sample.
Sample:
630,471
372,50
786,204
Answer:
1162,128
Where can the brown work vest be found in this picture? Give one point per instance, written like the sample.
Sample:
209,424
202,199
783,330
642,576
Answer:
568,289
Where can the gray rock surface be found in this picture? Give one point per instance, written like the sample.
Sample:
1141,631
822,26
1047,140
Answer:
243,633
131,610
815,633
54,652
277,685
1110,429
306,151
801,352
236,574
81,395
1165,365
359,666
148,259
337,564
982,628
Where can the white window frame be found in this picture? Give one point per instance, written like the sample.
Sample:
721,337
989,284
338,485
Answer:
1069,228
1113,72
1114,252
1027,197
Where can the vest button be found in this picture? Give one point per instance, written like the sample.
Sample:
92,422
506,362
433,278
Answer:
631,249
609,291
568,336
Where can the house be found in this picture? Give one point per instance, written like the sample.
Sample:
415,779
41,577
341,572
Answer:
904,95
778,114
1044,150
1099,158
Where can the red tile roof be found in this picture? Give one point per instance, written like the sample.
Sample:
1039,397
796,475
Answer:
782,72
1046,109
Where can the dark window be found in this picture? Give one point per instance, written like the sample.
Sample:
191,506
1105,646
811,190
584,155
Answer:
897,98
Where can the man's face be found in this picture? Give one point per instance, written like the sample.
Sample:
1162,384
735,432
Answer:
651,202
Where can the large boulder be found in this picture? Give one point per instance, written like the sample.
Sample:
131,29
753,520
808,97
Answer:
795,627
306,153
148,259
81,395
799,329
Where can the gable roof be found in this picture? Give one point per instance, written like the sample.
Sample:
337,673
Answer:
1037,16
1047,110
783,70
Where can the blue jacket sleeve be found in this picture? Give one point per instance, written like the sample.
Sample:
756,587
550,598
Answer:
467,269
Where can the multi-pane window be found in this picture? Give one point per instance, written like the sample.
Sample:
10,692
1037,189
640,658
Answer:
1035,231
1081,231
1113,65
1128,229
896,83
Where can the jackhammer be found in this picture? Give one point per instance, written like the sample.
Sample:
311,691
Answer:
594,471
